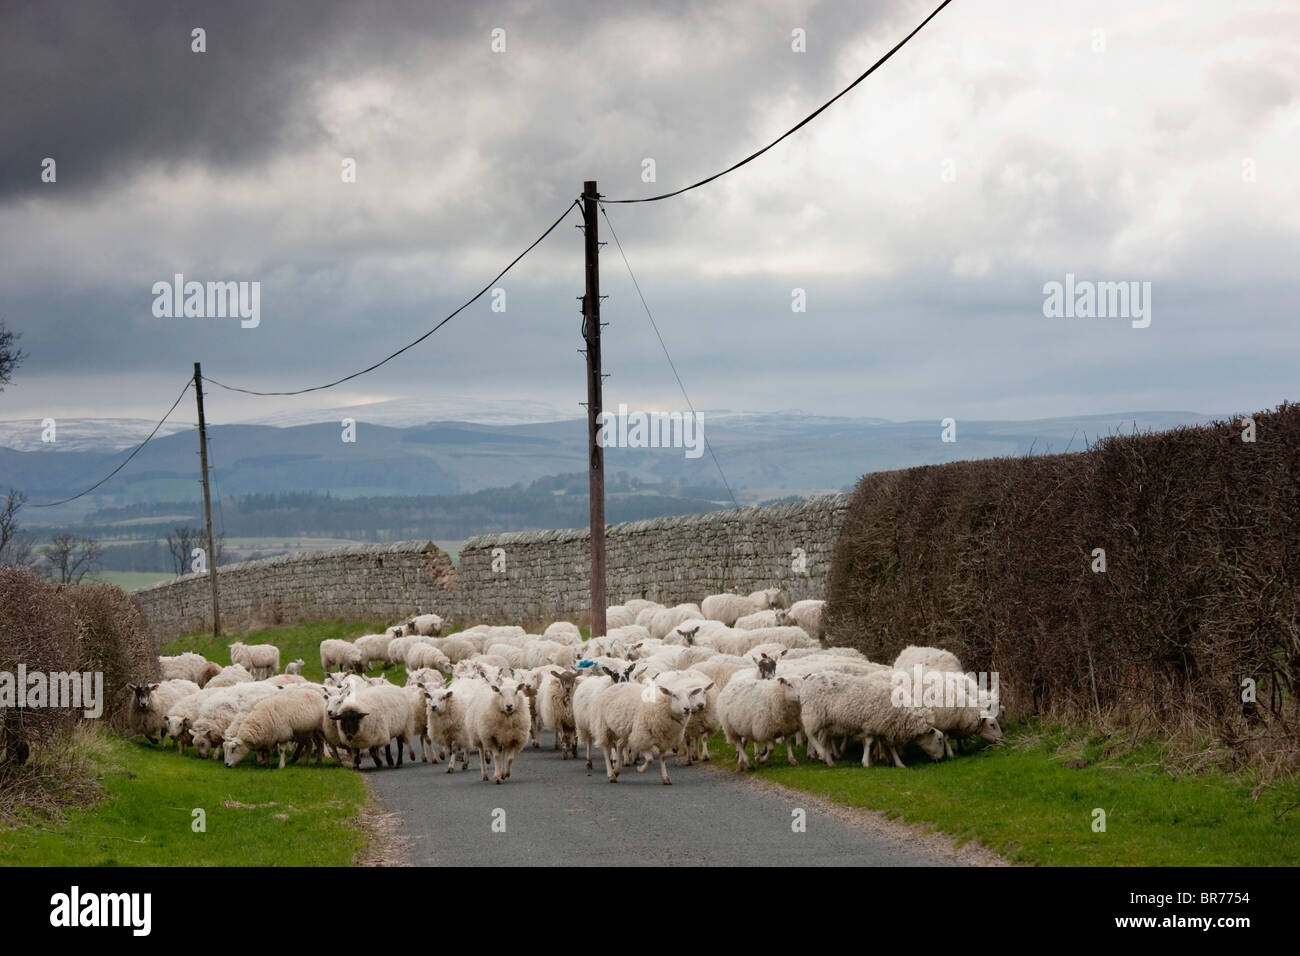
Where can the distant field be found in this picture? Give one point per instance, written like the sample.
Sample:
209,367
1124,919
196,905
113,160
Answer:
129,580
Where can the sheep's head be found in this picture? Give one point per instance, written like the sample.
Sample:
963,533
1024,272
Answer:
210,670
791,686
202,744
766,667
142,692
349,722
783,617
699,697
775,598
688,635
990,729
235,750
678,699
567,681
438,699
510,695
932,743
174,724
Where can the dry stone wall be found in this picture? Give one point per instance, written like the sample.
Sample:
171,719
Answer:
518,577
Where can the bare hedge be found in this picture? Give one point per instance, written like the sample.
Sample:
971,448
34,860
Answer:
113,638
994,560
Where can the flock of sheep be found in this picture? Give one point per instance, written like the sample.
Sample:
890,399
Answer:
660,682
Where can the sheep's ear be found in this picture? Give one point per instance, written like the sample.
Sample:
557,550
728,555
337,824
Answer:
153,687
495,688
708,687
664,690
782,680
448,694
784,652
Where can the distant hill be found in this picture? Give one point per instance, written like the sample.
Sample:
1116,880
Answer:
764,455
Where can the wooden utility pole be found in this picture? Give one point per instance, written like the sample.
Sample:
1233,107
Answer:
207,502
596,477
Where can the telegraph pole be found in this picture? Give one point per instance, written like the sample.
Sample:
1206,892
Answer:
596,477
207,501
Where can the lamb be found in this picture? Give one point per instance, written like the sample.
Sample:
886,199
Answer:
760,711
499,722
663,621
289,716
659,726
772,617
420,722
844,705
219,711
421,656
513,654
373,647
261,660
445,709
180,716
371,717
397,649
555,706
565,632
152,702
930,658
810,615
295,667
230,675
424,624
188,666
340,655
538,653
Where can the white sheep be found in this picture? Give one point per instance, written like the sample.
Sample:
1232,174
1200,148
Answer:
180,716
445,709
645,613
586,708
659,727
835,704
499,723
188,666
565,632
619,615
230,675
340,655
293,715
771,617
761,711
663,621
555,707
421,656
811,616
261,660
373,647
220,710
295,667
456,648
514,655
424,624
930,658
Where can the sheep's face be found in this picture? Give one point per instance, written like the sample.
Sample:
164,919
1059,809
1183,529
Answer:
174,725
235,750
990,729
792,693
142,692
699,697
349,722
775,597
202,746
438,700
766,667
679,701
689,635
509,695
932,743
783,617
567,680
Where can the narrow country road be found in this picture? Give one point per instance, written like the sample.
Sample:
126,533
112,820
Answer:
554,813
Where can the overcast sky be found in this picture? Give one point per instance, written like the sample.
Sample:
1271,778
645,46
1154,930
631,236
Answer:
1009,144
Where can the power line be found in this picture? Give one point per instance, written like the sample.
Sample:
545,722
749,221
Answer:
805,121
51,504
371,368
671,364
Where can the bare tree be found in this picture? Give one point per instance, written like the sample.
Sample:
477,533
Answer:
16,548
10,355
182,542
179,544
71,558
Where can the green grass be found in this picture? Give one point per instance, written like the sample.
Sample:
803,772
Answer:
300,640
255,816
129,580
1024,802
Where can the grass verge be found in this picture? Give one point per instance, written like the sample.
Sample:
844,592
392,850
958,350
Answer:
1034,800
252,816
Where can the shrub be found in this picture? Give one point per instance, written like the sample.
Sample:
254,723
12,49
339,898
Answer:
114,639
39,631
993,560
